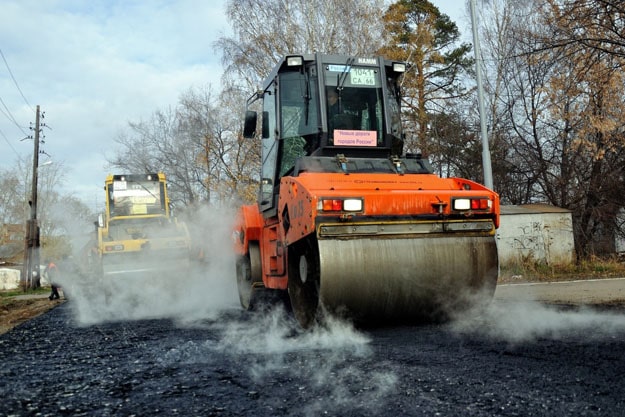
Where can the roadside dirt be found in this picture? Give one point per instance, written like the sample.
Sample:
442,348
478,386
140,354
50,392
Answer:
587,292
15,310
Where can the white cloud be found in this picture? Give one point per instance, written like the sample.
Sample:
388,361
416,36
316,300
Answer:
95,65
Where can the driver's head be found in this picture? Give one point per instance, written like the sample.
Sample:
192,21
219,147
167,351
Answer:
333,96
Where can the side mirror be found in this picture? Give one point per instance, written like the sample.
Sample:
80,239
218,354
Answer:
249,127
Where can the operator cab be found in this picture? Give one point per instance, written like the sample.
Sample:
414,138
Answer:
135,195
318,107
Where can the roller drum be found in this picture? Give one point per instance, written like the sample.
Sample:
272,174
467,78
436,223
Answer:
407,278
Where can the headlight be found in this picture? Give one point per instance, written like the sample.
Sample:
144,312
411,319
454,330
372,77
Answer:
477,203
294,61
340,204
462,204
399,67
352,204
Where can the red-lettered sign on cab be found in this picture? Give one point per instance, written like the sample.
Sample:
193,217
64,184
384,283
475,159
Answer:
355,137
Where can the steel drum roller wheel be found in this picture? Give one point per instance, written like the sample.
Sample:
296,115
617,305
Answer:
407,279
303,284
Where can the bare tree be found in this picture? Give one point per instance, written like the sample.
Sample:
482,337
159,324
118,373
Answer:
266,30
57,212
587,36
12,195
198,145
557,107
157,145
227,158
579,25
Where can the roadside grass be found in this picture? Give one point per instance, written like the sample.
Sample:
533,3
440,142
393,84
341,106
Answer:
592,268
15,310
19,291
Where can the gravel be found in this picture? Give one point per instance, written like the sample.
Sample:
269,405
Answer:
515,359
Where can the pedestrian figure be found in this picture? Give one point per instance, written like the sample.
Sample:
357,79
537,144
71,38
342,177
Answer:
53,273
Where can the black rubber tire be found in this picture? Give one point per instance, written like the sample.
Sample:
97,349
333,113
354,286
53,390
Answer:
304,281
249,276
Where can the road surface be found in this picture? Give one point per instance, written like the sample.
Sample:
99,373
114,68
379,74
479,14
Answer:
518,357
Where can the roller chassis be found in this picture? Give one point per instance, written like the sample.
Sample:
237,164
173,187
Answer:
344,224
137,240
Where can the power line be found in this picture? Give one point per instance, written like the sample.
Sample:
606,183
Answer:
8,113
9,116
14,80
9,143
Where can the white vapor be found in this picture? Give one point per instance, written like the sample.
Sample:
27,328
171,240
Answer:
526,321
200,291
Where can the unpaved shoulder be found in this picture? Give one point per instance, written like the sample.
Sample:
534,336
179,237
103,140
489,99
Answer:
610,291
15,310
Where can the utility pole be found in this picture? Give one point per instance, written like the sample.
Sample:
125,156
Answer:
31,273
488,170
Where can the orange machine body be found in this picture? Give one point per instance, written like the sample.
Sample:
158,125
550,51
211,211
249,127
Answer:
411,205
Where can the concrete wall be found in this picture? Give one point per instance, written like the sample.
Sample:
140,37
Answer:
10,278
536,232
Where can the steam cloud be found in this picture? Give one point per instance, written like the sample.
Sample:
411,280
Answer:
199,292
526,321
324,364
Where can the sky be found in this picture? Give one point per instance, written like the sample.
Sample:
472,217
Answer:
93,66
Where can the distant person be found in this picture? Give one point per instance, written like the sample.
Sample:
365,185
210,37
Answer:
333,109
52,273
337,118
333,103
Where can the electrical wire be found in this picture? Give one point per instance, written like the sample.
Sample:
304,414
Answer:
6,112
14,80
9,143
9,116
